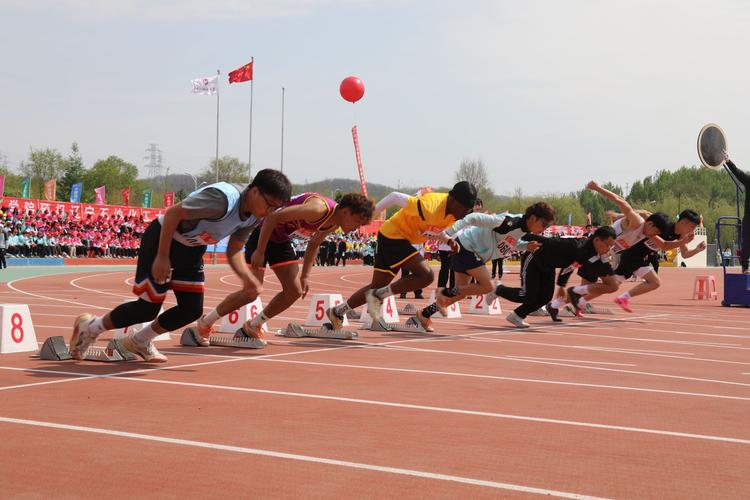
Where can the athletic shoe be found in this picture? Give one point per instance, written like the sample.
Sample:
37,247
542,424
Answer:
336,321
553,311
517,320
374,305
417,295
255,332
81,338
251,332
425,322
145,350
624,303
574,298
203,332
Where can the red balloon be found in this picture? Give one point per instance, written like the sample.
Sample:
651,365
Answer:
352,89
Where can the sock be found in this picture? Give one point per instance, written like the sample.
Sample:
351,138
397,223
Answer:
625,296
210,318
259,320
450,292
430,310
147,334
581,289
384,292
341,309
557,303
96,326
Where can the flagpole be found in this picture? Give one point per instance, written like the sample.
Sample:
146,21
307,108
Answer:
283,90
217,125
214,260
250,146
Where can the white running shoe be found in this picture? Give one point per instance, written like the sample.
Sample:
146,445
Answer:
145,350
374,304
517,320
81,339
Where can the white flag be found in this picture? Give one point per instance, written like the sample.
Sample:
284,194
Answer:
206,86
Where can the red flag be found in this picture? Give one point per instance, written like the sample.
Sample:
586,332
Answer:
242,74
168,199
125,196
588,218
50,190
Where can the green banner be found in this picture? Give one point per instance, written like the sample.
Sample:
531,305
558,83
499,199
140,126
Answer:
25,188
146,200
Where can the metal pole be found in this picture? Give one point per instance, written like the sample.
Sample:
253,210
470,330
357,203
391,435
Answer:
250,141
217,125
283,90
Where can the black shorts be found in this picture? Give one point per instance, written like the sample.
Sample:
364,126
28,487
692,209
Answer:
277,254
592,271
392,253
465,260
186,262
638,265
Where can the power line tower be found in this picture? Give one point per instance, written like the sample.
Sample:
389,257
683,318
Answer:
154,165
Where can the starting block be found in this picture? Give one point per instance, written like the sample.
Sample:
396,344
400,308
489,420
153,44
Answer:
592,309
321,302
388,312
567,312
479,305
190,338
410,325
54,349
295,330
542,311
235,319
408,310
16,329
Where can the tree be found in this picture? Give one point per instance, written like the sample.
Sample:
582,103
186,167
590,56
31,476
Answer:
115,173
73,172
230,170
475,172
43,165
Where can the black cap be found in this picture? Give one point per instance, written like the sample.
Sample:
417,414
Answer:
465,193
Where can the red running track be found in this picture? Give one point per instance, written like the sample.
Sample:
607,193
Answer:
652,404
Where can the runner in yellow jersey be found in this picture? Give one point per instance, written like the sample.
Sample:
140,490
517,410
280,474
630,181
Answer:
421,217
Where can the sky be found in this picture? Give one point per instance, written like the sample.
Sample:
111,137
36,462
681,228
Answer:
547,94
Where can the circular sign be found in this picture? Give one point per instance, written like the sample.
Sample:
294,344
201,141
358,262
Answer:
711,146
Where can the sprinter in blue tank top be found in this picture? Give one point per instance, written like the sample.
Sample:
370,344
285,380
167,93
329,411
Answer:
171,257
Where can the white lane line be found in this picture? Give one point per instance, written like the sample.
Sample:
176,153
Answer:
613,349
458,411
298,457
572,361
587,347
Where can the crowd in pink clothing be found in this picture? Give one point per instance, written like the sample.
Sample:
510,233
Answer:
51,234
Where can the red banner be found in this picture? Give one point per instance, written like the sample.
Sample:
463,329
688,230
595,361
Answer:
359,160
79,211
168,200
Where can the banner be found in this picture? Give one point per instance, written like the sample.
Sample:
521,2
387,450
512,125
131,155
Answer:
79,211
359,161
75,192
146,199
168,199
206,86
50,190
565,231
25,188
101,193
2,186
125,196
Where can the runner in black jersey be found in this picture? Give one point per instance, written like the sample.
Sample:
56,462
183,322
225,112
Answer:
639,260
538,269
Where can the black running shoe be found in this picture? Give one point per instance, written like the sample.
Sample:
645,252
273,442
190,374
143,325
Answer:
574,298
553,311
